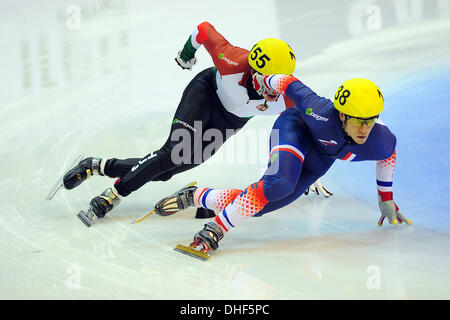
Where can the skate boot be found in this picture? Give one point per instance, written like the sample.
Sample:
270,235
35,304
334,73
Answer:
180,200
105,202
82,171
99,206
209,237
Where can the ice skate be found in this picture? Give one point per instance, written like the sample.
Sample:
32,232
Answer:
208,238
81,172
87,217
180,200
59,183
99,206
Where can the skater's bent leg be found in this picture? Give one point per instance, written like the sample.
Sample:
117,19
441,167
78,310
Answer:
275,184
235,205
314,167
118,168
254,201
191,118
115,168
290,146
272,187
165,176
215,199
279,180
145,170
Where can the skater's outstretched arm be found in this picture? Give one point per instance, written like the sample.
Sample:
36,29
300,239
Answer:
385,177
226,57
300,94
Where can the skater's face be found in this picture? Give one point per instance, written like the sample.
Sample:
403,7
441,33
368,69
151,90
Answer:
357,129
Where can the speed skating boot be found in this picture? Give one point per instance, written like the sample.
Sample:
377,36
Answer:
105,202
82,171
209,236
180,200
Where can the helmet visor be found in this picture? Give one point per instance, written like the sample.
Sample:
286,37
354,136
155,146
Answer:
361,121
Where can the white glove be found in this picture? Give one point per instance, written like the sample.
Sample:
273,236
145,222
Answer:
261,87
185,64
259,84
390,210
318,189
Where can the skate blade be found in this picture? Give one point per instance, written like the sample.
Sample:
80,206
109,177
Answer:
193,183
59,183
85,218
190,251
144,216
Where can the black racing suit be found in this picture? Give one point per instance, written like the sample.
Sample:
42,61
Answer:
199,109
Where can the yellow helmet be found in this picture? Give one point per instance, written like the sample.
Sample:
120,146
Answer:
272,56
359,98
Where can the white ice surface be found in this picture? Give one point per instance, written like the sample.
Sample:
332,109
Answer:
110,89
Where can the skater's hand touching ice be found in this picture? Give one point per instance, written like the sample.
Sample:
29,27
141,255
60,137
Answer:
390,211
318,189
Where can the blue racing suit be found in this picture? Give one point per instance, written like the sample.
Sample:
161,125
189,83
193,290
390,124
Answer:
305,142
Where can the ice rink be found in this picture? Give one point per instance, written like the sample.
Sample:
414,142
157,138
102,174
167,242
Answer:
98,78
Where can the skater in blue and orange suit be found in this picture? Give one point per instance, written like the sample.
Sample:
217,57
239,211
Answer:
306,140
